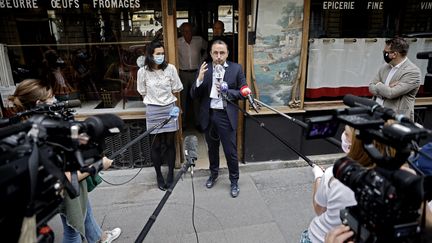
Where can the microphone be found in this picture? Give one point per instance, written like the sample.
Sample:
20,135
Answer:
245,91
224,92
102,125
372,106
60,105
218,72
174,113
191,147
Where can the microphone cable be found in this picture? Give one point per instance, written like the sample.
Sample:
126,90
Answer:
134,176
193,205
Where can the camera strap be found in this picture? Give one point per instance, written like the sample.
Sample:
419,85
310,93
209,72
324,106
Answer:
33,164
59,174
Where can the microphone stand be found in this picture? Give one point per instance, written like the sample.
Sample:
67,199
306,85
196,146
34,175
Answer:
298,122
283,141
189,162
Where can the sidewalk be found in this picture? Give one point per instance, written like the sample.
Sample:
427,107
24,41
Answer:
274,205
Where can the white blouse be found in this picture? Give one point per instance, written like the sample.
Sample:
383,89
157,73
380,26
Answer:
157,86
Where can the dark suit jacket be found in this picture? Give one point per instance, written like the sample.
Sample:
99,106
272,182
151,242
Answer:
235,79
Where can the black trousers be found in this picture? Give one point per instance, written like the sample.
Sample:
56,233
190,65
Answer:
220,130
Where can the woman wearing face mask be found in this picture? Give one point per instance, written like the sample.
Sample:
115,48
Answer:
329,196
156,82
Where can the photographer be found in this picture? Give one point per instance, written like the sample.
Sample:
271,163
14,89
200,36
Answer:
77,216
330,195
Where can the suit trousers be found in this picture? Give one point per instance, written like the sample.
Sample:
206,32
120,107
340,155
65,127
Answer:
220,130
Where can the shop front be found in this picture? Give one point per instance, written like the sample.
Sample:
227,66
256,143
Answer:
300,57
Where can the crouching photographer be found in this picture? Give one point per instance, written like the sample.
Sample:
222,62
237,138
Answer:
391,198
45,160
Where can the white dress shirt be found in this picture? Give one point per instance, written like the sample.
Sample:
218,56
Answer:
216,101
191,55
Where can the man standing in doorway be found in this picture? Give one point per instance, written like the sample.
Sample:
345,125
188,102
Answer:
397,82
218,112
219,34
192,50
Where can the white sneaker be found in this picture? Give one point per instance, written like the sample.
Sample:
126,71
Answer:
111,235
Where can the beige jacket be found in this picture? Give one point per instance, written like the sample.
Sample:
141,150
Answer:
402,89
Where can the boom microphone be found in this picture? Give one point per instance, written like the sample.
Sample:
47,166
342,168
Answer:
62,105
103,125
245,91
372,106
191,147
174,113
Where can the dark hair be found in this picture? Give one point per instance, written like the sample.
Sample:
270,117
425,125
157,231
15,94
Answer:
398,44
149,61
219,42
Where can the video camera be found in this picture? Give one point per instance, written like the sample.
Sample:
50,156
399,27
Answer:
34,156
389,199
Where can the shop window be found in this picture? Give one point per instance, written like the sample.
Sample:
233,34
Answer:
84,52
352,35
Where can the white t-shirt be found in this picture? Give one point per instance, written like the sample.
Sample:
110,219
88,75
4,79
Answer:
333,195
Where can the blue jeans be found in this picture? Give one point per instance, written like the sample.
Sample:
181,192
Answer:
304,238
92,229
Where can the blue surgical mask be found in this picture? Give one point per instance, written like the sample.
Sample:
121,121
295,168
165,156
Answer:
159,59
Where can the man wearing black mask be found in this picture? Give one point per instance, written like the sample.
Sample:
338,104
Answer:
397,82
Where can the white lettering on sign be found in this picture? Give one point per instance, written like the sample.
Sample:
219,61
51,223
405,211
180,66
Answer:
425,5
116,3
375,5
18,4
338,5
64,4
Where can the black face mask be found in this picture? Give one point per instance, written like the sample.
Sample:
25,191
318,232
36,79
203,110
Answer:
387,59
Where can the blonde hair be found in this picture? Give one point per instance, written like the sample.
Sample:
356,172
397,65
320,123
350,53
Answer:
358,153
28,92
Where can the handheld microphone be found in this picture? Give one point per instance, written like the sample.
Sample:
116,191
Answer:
245,91
372,106
191,147
218,72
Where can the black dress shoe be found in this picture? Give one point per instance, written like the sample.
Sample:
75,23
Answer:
235,190
211,181
161,183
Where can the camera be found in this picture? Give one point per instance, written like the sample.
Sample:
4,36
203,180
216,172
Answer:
389,199
34,156
388,202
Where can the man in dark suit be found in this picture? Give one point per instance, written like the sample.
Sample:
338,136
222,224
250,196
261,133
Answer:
218,116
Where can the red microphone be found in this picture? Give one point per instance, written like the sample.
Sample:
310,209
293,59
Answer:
245,91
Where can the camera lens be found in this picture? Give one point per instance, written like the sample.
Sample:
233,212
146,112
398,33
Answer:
348,171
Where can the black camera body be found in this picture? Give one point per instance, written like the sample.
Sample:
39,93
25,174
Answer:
34,156
388,198
388,202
